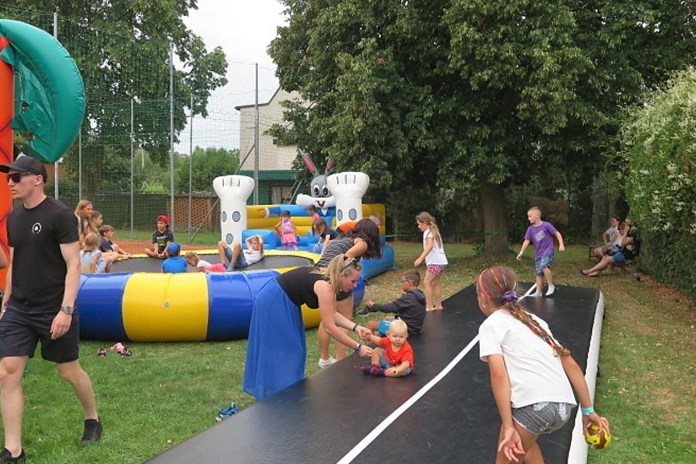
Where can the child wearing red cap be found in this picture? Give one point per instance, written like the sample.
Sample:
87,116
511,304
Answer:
161,238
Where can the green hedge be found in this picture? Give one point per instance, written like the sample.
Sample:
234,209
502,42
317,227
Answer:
659,156
670,258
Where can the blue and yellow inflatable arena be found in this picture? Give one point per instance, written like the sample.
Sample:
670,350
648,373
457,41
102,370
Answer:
194,306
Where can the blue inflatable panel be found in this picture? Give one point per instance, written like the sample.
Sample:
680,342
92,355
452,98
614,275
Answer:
99,305
295,210
270,238
359,292
373,267
230,302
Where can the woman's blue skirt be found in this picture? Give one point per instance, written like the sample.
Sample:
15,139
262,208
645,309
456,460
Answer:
277,347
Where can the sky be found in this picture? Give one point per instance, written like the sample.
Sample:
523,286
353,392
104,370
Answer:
244,30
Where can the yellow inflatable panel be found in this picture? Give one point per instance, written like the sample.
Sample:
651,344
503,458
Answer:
262,223
256,211
171,304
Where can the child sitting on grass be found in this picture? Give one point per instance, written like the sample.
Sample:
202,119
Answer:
394,357
409,307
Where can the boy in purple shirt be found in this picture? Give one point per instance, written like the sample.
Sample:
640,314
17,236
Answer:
541,234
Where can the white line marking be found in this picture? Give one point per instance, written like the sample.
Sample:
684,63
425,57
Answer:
377,431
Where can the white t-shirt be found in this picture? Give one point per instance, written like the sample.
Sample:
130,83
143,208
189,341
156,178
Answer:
614,236
536,374
202,263
252,256
437,253
86,258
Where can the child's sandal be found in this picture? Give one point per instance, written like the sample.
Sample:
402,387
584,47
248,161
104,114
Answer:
101,352
117,347
126,352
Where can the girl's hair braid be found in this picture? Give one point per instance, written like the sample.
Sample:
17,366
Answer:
498,283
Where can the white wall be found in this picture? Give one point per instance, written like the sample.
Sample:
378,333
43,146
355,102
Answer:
271,156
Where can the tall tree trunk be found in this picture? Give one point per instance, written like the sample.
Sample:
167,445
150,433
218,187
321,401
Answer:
494,223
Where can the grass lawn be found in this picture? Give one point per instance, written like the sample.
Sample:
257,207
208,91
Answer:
165,393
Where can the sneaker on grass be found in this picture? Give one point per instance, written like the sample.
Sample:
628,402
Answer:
323,363
6,457
92,433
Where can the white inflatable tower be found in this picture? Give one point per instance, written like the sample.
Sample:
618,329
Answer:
348,188
233,192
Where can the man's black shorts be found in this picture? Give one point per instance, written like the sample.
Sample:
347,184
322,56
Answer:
20,332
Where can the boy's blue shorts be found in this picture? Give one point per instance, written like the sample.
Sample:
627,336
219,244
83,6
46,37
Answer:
384,326
542,263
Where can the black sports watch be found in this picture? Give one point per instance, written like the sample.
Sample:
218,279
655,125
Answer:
68,309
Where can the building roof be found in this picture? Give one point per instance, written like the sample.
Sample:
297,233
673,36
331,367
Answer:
239,108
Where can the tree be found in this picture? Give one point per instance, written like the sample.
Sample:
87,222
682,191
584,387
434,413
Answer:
434,96
122,51
207,165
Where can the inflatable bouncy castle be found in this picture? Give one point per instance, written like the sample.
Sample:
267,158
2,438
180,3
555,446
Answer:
41,94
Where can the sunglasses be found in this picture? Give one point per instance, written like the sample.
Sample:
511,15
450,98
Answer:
351,262
16,177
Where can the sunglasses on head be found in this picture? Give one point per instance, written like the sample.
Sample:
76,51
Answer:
350,262
16,177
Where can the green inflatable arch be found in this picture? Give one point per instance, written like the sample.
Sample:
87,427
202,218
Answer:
49,92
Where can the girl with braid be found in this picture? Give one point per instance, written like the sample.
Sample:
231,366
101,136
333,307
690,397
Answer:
532,375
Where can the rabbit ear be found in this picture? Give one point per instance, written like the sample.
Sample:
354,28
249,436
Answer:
329,166
308,162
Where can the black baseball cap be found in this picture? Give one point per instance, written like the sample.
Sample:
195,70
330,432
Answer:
25,163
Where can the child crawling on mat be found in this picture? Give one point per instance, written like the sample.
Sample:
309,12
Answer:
394,357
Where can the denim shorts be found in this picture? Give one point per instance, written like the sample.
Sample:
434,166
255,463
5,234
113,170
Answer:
542,418
542,263
241,259
385,365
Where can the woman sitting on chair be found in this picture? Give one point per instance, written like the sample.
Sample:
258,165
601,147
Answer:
614,255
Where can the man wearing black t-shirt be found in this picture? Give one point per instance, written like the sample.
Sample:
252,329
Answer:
39,301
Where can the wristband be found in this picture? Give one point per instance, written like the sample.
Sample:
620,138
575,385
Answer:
587,411
354,327
357,347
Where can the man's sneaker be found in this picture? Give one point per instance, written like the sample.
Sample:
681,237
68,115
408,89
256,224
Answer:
324,363
6,457
92,433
